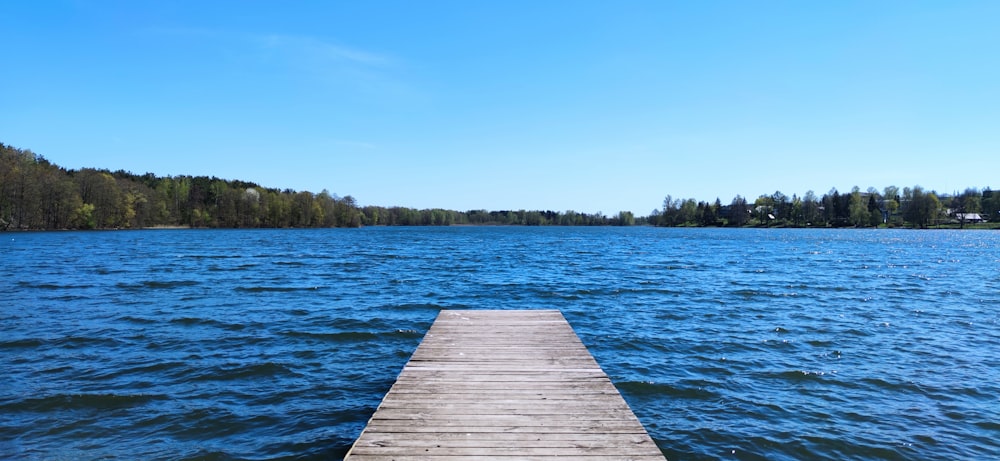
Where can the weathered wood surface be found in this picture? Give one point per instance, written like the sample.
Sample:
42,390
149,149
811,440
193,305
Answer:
503,384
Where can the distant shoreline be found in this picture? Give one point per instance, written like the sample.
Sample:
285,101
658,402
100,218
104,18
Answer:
975,227
43,195
165,226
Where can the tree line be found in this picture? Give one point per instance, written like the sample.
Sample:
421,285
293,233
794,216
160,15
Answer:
398,216
37,194
891,207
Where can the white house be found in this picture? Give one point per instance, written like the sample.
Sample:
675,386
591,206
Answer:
969,217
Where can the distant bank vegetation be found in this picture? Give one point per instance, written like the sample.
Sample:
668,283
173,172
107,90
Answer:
37,194
890,207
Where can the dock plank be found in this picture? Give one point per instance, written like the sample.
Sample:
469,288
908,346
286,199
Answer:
503,384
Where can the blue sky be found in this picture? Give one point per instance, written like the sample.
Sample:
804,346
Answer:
561,105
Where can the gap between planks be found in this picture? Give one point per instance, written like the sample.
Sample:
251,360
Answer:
503,384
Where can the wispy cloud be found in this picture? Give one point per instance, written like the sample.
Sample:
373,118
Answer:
322,60
300,45
330,65
319,50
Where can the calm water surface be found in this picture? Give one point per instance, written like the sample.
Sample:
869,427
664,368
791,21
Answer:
279,344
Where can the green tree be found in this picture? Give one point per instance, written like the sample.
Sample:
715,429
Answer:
533,218
738,211
710,213
782,207
687,214
873,199
892,205
349,214
100,189
763,210
968,202
990,204
20,206
798,212
829,206
922,208
330,213
624,218
669,215
811,213
859,216
84,217
302,212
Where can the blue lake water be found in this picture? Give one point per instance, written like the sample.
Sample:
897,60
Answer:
279,344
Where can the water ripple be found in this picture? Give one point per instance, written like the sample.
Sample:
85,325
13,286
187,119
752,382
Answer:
746,344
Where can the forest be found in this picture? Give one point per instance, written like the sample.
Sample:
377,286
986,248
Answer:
36,194
891,207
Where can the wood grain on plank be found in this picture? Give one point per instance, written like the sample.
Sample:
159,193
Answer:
503,384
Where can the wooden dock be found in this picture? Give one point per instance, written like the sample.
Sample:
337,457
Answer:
503,384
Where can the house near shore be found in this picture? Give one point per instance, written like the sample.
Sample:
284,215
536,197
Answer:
969,217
